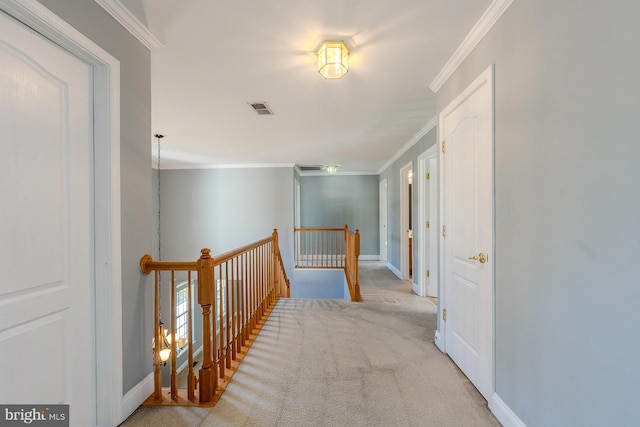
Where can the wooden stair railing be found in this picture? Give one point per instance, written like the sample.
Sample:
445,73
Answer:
351,264
330,248
236,291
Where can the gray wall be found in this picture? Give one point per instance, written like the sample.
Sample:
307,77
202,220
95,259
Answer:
567,132
333,201
135,174
223,209
394,224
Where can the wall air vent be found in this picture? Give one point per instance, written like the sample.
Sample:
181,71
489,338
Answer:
310,168
261,108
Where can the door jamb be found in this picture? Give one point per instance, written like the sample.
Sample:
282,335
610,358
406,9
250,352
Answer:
422,229
404,221
384,234
106,198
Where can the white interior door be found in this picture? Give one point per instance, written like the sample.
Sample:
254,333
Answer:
467,129
46,230
432,233
383,220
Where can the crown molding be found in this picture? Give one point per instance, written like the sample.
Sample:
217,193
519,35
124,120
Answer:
129,21
228,166
422,132
347,173
482,27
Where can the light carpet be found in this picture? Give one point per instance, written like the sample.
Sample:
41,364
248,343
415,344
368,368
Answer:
338,363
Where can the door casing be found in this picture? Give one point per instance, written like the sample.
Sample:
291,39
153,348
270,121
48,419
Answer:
107,223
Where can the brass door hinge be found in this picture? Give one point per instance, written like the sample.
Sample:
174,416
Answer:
428,175
444,314
428,224
444,231
428,273
444,146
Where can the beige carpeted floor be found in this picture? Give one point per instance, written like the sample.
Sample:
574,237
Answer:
337,363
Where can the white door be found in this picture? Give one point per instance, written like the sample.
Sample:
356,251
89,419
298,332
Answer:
46,239
467,129
383,220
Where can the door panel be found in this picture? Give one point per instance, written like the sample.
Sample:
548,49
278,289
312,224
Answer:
46,243
468,216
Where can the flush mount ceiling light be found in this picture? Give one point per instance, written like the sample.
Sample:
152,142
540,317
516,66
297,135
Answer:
332,169
333,59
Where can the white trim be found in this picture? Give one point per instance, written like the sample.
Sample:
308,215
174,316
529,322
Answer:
503,413
394,270
136,396
107,262
320,173
131,23
422,230
229,166
184,364
383,215
369,258
404,220
422,132
482,27
437,340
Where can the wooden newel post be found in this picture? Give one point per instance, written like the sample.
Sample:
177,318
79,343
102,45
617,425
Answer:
208,380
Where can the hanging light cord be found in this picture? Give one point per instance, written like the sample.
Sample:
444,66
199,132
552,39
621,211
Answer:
159,137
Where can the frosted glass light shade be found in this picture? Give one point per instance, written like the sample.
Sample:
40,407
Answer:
333,59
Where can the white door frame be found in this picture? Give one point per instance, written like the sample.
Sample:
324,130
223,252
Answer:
106,193
486,78
423,216
383,196
404,221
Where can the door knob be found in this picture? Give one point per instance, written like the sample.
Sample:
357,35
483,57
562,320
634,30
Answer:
480,257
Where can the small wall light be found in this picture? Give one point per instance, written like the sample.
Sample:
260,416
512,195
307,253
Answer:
332,169
333,59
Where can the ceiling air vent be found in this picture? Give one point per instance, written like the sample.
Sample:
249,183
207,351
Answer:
261,108
310,168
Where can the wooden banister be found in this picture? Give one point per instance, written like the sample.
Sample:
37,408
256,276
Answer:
317,247
236,291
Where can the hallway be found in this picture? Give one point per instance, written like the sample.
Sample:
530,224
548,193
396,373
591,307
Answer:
338,363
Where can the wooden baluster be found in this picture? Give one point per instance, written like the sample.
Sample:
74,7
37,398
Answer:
174,372
222,350
229,310
234,310
246,297
206,298
191,379
157,373
274,251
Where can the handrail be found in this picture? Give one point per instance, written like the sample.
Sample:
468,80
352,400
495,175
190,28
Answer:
332,248
236,290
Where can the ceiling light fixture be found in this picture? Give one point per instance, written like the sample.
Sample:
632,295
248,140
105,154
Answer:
333,59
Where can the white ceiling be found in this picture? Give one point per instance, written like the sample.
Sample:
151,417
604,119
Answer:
220,55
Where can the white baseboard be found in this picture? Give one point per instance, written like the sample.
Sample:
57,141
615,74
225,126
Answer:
415,287
184,364
437,339
394,270
134,397
369,257
503,413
